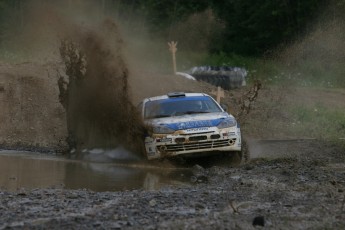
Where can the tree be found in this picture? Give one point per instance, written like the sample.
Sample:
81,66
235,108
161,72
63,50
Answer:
164,13
253,27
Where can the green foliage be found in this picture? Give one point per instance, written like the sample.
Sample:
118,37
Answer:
304,72
318,121
265,70
223,59
9,12
164,13
254,27
249,28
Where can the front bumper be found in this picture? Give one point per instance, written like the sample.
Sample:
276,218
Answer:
193,141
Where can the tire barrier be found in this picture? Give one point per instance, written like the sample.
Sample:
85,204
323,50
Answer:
225,76
186,75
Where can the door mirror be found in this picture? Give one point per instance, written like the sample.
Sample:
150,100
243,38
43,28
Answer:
225,107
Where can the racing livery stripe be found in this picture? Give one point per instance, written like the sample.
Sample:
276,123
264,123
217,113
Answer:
194,124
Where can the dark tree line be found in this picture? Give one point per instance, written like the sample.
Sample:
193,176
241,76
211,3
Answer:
250,27
253,27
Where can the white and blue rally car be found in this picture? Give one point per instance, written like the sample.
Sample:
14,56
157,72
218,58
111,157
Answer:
188,124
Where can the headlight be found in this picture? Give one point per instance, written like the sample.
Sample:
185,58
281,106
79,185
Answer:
226,123
162,129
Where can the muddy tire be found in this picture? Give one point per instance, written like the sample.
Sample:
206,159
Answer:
238,156
241,156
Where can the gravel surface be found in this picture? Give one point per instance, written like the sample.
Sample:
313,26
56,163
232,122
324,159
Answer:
296,192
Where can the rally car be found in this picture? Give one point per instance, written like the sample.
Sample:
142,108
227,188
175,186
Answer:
188,124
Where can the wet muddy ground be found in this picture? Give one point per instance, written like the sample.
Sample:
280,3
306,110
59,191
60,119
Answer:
301,190
26,170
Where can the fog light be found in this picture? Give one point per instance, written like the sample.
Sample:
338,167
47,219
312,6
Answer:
162,148
180,139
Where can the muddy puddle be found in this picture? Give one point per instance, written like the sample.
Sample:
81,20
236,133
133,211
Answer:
34,170
118,170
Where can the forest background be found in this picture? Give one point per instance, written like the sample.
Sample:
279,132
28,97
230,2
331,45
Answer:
299,38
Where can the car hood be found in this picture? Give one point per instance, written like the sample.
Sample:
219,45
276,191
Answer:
191,121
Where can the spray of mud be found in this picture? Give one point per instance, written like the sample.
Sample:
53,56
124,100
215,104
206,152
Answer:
94,86
93,81
95,96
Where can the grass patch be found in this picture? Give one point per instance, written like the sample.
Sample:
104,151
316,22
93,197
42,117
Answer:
318,121
309,73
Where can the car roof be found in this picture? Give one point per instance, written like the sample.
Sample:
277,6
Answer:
175,95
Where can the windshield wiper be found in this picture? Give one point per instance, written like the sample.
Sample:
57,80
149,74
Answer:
193,112
159,116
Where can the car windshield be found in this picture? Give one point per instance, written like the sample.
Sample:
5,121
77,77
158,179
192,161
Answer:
180,106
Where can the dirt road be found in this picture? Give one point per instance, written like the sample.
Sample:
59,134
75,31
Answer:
304,191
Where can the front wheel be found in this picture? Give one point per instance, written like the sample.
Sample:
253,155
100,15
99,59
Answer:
242,156
236,157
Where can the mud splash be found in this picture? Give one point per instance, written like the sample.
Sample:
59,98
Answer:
95,94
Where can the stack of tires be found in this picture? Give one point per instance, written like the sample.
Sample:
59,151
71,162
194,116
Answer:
225,76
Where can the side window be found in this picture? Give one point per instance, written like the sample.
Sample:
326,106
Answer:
212,105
